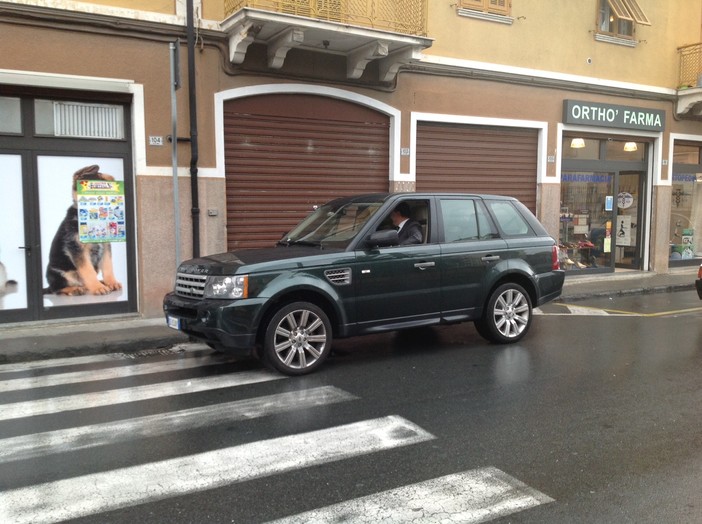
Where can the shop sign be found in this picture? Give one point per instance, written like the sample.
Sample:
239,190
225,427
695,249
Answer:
611,115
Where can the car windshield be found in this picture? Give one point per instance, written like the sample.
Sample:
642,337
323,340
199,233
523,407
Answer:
334,224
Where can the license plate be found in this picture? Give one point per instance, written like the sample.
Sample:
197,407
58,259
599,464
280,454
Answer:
173,323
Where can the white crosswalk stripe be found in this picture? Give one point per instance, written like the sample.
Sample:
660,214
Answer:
108,374
471,496
119,396
83,437
99,492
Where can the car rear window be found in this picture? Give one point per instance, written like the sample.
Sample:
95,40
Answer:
508,218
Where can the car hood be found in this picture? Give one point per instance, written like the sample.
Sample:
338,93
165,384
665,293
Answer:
251,260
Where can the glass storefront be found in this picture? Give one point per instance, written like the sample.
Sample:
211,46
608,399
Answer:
602,204
686,205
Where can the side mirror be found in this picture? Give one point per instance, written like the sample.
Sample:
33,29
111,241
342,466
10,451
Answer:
384,238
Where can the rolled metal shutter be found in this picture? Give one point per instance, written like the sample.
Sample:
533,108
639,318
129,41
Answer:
477,159
287,153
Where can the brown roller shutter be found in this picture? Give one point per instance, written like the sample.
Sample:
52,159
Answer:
286,153
476,159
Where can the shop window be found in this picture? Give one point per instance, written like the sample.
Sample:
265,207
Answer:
587,220
625,150
11,121
79,120
576,147
686,205
618,19
498,7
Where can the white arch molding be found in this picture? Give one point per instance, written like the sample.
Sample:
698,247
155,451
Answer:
331,92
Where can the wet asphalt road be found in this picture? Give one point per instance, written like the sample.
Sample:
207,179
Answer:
597,411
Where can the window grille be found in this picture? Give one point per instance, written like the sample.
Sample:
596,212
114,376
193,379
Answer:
80,120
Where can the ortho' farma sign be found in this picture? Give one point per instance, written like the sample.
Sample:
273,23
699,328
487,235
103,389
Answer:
611,115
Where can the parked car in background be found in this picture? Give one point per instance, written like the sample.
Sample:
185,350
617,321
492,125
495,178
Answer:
342,272
698,282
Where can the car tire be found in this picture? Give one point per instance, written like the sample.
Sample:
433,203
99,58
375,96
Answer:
298,339
507,315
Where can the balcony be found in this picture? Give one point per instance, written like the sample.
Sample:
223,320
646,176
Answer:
389,32
689,103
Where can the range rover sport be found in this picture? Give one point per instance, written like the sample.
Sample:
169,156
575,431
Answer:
341,272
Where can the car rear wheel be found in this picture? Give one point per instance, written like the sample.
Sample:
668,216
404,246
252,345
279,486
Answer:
298,338
507,316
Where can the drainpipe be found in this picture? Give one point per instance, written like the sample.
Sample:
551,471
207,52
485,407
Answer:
195,211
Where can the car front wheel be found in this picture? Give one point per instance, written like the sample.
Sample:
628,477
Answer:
298,338
507,315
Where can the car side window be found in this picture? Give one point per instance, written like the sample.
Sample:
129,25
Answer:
460,220
417,211
510,221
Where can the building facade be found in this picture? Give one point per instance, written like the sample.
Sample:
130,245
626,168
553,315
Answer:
201,126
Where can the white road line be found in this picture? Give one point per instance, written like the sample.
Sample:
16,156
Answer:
89,359
474,496
99,492
587,311
72,439
60,379
119,396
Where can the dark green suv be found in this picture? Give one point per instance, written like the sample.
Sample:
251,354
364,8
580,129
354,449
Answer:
343,272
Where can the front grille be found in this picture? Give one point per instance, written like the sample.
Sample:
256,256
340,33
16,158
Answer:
190,286
339,277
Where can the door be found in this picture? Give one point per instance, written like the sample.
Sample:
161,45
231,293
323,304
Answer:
469,249
628,223
67,237
399,286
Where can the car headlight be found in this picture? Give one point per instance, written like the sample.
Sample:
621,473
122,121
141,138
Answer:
227,287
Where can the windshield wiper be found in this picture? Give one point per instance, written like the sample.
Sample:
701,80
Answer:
289,242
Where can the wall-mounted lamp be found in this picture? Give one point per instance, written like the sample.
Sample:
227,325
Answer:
630,146
577,143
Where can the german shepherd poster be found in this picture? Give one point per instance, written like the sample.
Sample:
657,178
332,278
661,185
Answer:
74,267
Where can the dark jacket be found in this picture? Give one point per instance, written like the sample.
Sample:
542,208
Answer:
411,233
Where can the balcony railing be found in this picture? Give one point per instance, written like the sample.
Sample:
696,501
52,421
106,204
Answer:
407,17
690,66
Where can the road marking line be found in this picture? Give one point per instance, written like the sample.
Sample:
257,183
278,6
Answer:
120,396
470,497
93,375
93,359
110,490
73,439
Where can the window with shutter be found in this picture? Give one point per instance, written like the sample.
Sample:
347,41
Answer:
619,18
498,7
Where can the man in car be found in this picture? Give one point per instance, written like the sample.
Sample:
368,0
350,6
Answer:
408,231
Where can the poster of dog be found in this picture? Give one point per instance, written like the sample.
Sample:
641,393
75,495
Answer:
79,269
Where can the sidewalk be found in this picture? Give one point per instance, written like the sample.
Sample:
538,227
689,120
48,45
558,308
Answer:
94,335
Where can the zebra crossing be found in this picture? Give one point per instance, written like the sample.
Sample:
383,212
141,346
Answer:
62,391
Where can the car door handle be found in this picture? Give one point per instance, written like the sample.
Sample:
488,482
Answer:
490,258
424,265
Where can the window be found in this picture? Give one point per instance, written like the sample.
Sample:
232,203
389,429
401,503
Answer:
498,7
11,121
686,205
511,222
618,18
79,120
460,220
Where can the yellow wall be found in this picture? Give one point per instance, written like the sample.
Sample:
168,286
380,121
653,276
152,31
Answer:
156,6
558,36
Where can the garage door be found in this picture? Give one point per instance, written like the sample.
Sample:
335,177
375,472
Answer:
477,159
287,153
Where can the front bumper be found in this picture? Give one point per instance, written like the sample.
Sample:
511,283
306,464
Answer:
227,324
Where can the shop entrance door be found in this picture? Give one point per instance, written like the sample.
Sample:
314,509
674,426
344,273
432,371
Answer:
628,220
67,237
